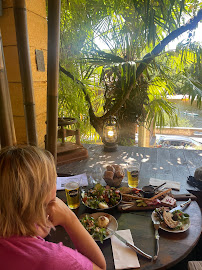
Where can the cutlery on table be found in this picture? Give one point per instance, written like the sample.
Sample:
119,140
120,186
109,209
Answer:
181,206
130,245
156,227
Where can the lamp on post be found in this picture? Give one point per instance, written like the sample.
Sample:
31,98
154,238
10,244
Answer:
110,134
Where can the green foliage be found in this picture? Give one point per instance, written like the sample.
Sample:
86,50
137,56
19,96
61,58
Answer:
127,142
192,73
130,29
182,122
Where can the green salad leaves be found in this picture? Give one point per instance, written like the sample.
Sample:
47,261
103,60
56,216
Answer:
91,225
101,197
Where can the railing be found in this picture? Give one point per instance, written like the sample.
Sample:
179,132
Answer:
182,131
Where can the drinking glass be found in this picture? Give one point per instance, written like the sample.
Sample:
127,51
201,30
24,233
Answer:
133,169
97,174
73,193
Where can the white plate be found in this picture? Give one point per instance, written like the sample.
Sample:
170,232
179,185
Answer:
163,227
113,224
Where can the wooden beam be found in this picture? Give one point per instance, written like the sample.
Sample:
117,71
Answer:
20,15
53,75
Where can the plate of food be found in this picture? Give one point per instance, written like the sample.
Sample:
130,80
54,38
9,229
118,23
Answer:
175,222
100,225
101,198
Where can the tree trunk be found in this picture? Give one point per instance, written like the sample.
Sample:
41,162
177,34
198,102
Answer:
127,133
97,122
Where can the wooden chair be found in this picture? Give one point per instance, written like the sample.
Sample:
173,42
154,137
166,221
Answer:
195,265
68,152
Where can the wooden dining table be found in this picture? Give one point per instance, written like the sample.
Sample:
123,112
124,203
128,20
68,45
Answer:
174,247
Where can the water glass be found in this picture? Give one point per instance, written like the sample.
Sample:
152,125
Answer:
97,174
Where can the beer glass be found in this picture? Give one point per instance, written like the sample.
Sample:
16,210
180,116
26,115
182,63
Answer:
133,170
72,194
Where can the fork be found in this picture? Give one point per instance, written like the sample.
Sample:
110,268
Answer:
156,227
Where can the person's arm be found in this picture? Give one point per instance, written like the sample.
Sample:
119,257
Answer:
43,232
60,214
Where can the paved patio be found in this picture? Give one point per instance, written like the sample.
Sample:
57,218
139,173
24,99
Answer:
161,163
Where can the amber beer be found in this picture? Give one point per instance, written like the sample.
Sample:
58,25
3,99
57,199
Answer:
133,174
72,194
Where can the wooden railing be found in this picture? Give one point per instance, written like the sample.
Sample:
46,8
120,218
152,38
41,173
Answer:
181,131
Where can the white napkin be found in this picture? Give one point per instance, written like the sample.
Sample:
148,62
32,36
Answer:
169,184
124,257
80,178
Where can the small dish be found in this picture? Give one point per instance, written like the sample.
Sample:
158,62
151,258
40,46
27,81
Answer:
165,228
112,226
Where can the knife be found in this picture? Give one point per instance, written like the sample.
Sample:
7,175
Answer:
132,246
181,206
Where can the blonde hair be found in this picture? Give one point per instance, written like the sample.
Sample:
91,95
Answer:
27,175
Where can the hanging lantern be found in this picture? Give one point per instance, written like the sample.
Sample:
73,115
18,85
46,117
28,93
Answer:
110,134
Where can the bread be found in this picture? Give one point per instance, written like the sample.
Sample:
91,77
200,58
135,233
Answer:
108,175
103,222
110,168
116,167
113,175
119,174
125,190
167,216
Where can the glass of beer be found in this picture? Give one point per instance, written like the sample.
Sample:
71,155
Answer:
72,194
133,170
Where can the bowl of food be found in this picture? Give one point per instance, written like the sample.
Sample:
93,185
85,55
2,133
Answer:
100,225
113,175
101,197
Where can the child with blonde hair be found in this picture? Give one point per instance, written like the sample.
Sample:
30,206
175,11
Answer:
29,208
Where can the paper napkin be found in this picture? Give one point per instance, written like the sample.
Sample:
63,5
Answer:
124,257
81,179
169,184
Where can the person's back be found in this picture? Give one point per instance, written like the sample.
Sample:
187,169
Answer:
35,253
29,208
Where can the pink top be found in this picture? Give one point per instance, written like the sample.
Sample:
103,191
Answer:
28,253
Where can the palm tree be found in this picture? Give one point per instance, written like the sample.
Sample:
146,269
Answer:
132,60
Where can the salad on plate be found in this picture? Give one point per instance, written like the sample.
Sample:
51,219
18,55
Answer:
97,225
101,197
176,221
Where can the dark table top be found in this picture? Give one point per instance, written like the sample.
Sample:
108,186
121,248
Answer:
174,247
167,164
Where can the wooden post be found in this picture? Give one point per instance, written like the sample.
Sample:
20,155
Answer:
20,15
7,131
53,75
77,134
